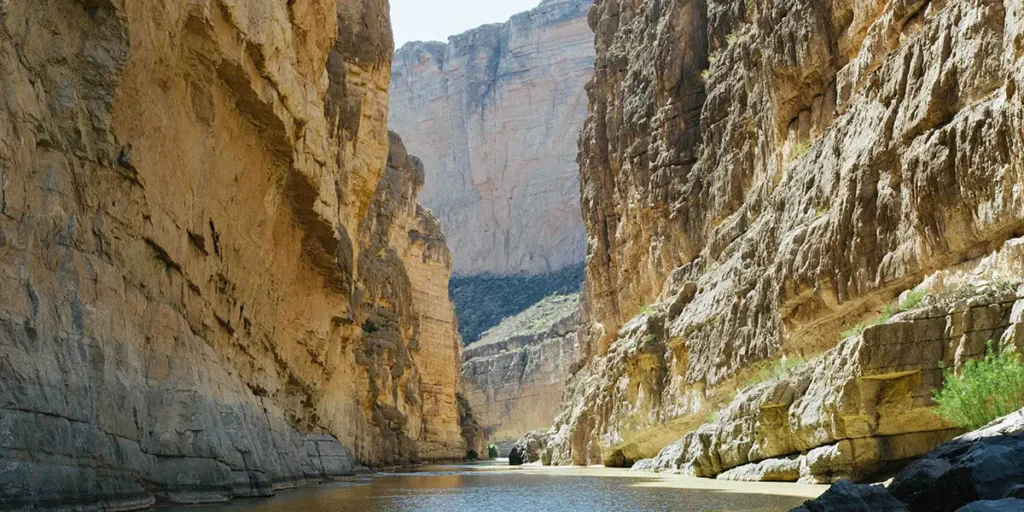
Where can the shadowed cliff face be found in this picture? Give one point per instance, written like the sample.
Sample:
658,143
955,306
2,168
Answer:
771,173
211,282
495,115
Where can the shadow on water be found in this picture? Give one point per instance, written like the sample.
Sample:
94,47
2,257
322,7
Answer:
499,489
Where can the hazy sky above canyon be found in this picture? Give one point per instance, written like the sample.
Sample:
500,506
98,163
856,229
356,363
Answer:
435,20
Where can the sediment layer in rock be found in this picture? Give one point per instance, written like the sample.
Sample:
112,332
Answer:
773,173
514,376
495,114
212,285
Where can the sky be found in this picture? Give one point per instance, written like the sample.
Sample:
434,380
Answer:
435,20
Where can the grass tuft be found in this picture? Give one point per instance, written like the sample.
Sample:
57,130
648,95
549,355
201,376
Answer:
779,370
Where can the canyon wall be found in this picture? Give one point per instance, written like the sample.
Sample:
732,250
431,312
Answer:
514,376
495,114
214,282
768,174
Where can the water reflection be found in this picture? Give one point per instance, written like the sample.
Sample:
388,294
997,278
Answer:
500,489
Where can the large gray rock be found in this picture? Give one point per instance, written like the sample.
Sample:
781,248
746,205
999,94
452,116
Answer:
845,496
531,448
1005,505
962,471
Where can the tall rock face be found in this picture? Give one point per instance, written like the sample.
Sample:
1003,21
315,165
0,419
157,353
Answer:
770,173
213,283
495,115
513,378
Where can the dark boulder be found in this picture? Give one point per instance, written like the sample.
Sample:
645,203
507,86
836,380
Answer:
845,496
1007,505
963,471
531,448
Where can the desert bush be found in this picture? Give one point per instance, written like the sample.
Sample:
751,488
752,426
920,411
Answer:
492,452
779,370
984,390
913,300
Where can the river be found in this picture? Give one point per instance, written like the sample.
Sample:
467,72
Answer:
496,487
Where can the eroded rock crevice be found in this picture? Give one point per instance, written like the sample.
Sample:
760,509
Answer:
769,175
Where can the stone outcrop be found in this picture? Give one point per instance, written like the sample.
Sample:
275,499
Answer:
978,471
860,409
770,174
212,283
495,114
514,376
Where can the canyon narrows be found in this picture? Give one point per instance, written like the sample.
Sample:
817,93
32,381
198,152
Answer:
216,282
743,240
495,114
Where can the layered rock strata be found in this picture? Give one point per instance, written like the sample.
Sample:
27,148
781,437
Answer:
978,471
514,376
212,284
495,114
772,173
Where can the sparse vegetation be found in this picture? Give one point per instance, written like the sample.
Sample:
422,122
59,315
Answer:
951,296
731,39
472,455
482,302
537,319
492,452
821,211
712,59
711,417
779,370
984,390
705,74
799,150
644,310
913,300
888,311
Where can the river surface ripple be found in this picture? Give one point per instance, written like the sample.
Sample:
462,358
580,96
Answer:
495,487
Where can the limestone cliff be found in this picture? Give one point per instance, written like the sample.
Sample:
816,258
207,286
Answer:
513,378
772,173
495,114
211,282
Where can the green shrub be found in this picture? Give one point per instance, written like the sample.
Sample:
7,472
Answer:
985,390
472,455
645,310
492,452
913,300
